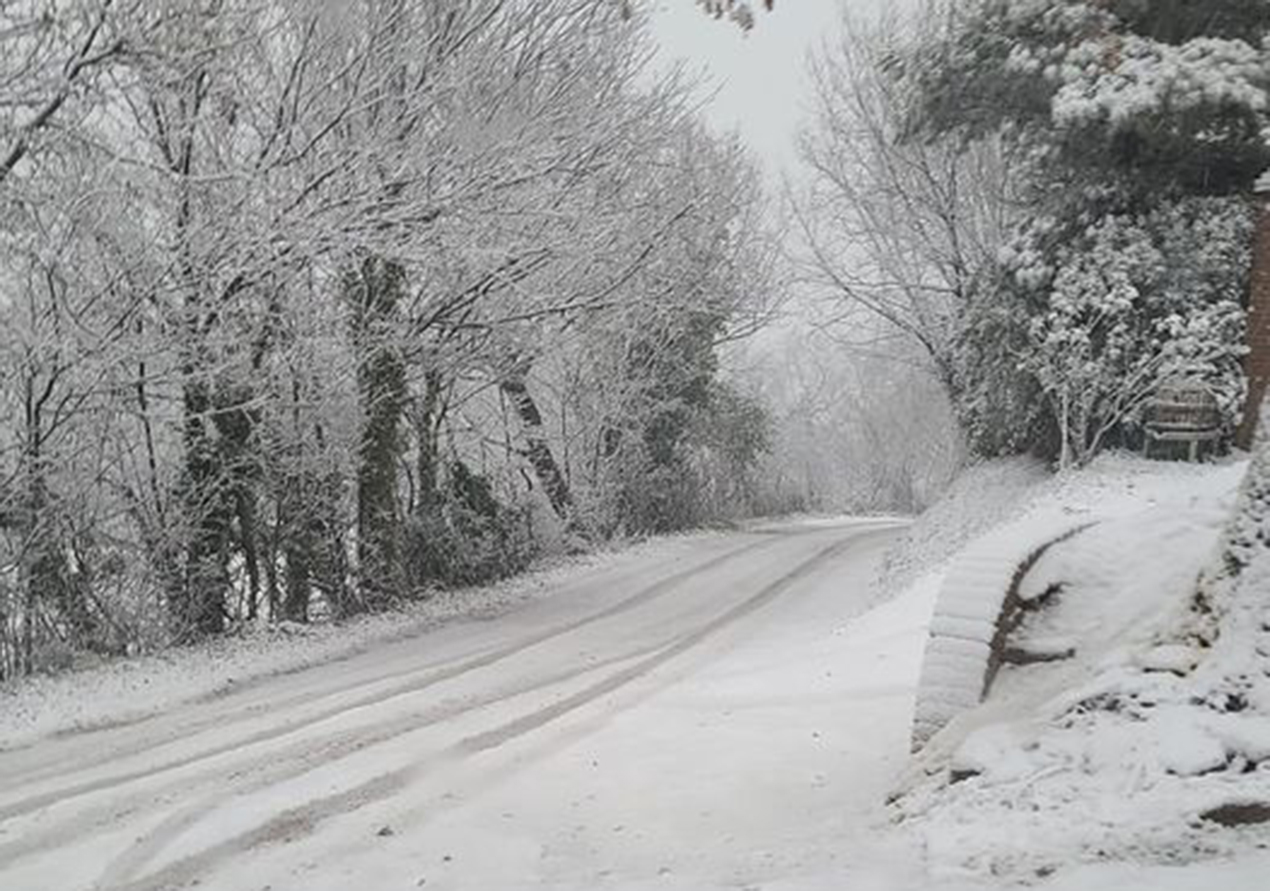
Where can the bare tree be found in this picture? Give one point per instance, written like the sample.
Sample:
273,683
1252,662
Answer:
893,229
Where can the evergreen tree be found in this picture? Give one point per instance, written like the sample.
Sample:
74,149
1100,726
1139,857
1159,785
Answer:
1139,124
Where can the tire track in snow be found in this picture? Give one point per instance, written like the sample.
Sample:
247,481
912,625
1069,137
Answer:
276,766
433,676
89,820
232,711
303,820
292,765
492,739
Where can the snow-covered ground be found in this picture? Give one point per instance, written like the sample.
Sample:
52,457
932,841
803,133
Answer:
985,496
726,710
1081,773
721,712
126,690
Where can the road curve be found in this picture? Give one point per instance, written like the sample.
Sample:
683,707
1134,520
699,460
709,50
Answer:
494,754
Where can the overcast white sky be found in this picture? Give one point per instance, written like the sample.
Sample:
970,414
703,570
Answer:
763,89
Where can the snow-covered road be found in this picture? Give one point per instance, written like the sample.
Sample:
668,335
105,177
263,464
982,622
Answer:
727,714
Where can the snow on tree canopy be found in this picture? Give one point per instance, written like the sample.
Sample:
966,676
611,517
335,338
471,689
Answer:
1138,130
1146,78
1163,92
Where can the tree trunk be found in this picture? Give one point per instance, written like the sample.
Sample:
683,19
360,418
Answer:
314,552
293,526
271,551
200,608
239,462
1257,362
537,447
299,552
44,573
330,559
248,542
375,289
428,460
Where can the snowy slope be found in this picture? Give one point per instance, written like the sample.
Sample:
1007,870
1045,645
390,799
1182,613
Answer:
982,498
1115,755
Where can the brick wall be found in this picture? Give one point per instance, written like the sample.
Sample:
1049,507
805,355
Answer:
1257,364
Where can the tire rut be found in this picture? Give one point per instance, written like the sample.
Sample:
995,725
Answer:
305,819
316,755
433,677
494,738
281,766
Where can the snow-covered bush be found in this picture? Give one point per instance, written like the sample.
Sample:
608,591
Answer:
1140,125
1093,314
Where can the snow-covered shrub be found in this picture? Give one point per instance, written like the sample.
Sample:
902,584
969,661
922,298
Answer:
1127,302
467,537
1140,128
1000,408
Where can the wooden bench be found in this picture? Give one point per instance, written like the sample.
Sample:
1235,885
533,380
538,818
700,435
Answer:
1183,412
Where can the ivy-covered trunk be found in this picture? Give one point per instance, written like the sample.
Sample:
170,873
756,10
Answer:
197,601
428,418
222,469
198,607
374,290
314,549
238,451
42,569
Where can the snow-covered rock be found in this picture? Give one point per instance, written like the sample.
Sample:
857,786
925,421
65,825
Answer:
999,751
1177,658
1185,748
